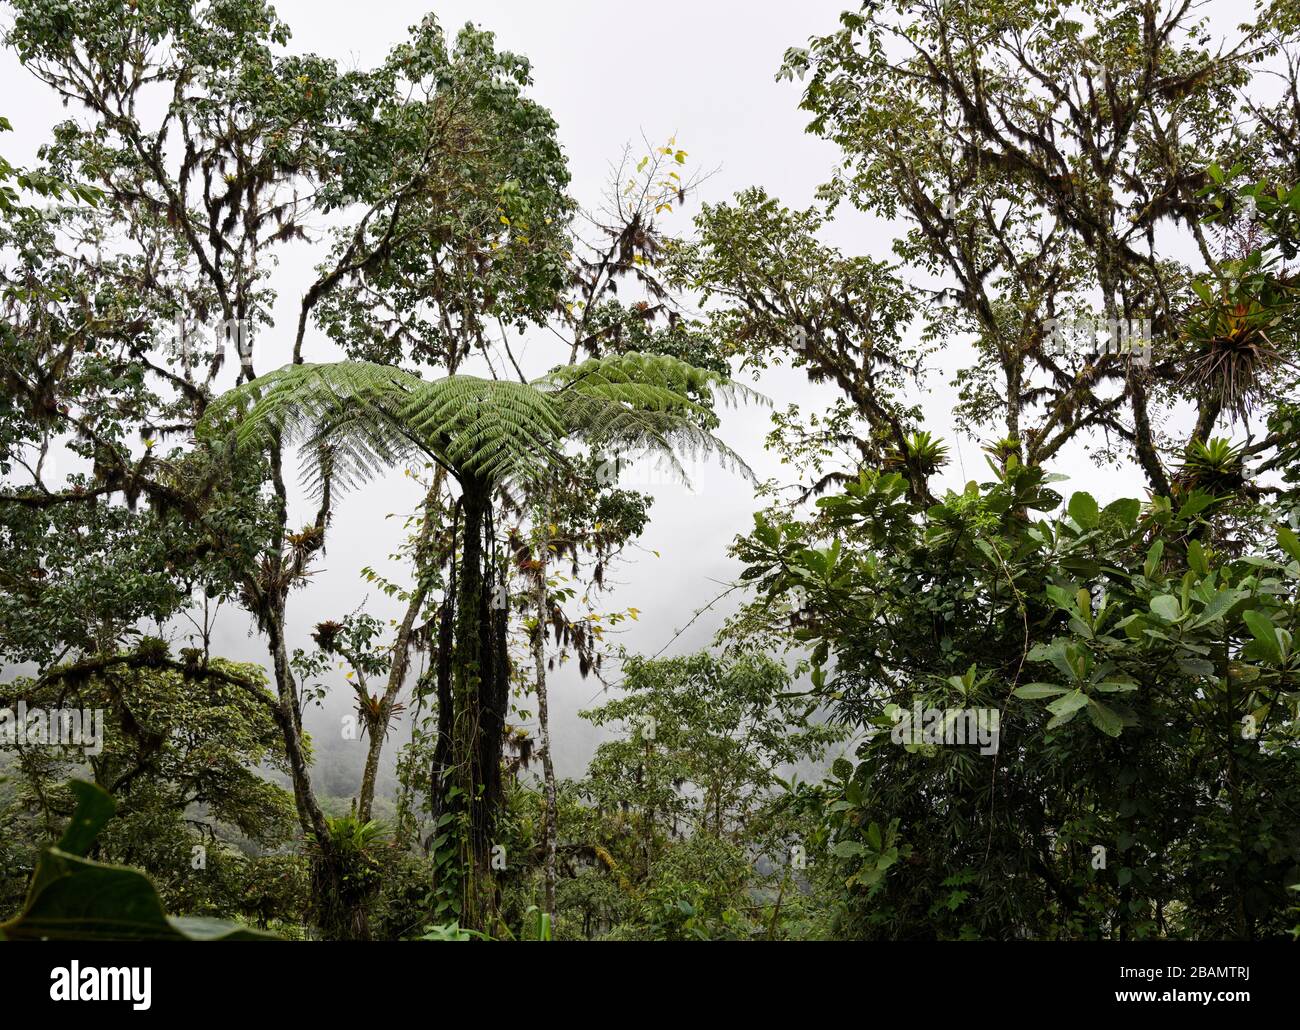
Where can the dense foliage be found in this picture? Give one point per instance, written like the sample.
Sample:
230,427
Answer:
950,704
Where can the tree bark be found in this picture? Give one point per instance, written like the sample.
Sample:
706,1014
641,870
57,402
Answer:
309,811
401,662
473,692
544,729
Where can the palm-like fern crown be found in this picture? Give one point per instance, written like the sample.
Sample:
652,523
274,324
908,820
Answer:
355,418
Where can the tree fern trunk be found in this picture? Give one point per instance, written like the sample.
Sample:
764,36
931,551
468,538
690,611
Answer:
467,688
473,691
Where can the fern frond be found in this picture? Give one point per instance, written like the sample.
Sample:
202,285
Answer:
353,419
342,416
643,403
490,429
641,378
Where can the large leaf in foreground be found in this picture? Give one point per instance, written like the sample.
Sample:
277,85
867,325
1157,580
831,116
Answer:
74,898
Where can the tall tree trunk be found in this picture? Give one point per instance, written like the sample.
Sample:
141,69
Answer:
473,691
376,729
327,875
544,728
468,672
290,719
401,663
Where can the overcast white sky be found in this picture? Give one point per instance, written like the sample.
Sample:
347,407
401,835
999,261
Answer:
609,71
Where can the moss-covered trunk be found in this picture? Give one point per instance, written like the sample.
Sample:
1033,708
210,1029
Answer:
473,690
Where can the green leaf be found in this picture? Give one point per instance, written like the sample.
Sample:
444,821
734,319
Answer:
1197,666
1083,509
1054,652
1216,607
1105,718
1195,504
94,809
1289,542
1153,558
1032,691
1261,627
75,899
1167,607
1064,708
1062,598
1126,509
72,898
202,928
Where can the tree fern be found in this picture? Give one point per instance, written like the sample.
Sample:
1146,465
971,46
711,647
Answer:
352,419
356,418
490,429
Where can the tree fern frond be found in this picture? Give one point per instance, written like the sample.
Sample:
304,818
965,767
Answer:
641,402
490,429
353,419
342,412
662,373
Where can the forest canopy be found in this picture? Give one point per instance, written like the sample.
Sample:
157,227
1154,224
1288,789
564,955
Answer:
953,698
